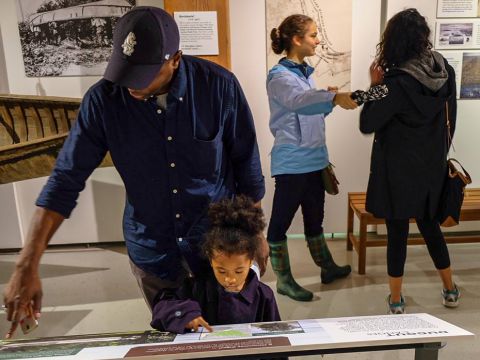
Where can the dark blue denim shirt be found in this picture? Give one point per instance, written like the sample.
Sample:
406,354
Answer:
173,162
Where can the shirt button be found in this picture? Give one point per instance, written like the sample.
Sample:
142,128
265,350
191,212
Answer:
180,98
172,165
178,313
180,239
177,216
175,191
169,138
159,111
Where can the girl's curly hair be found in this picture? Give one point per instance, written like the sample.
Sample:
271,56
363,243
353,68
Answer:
406,37
235,225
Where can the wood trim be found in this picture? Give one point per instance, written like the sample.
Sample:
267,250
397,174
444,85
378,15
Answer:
222,9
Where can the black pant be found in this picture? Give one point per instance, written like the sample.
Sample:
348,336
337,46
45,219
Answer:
291,191
397,231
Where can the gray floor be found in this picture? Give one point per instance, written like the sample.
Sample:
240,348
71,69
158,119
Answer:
91,290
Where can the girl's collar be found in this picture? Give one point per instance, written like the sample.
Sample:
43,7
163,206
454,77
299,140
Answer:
302,69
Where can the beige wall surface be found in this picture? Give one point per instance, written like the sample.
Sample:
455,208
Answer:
349,150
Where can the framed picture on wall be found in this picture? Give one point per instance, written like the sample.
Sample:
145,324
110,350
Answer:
68,37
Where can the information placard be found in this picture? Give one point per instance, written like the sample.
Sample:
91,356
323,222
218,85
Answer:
457,8
198,32
286,337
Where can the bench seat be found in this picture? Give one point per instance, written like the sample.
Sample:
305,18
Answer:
356,208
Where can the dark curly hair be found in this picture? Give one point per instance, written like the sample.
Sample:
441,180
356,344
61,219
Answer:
235,227
292,25
406,37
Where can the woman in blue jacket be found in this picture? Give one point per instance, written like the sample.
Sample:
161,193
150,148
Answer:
299,154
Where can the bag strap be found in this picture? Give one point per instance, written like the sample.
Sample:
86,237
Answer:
452,170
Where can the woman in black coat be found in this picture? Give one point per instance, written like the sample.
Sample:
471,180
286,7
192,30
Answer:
408,164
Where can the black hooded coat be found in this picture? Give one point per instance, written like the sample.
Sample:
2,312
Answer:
408,162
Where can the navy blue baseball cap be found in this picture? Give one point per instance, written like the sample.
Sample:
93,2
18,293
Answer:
143,39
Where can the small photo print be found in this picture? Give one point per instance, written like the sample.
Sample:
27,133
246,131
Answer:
455,34
275,328
470,83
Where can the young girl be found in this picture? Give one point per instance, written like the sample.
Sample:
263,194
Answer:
231,293
299,154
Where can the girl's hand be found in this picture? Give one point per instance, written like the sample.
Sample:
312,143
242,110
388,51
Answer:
199,321
344,100
376,74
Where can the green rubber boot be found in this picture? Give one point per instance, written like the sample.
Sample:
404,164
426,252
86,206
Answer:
323,258
286,284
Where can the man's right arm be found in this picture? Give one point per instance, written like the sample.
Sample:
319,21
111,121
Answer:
83,150
24,288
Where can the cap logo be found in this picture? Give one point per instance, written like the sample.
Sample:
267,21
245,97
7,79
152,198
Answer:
129,44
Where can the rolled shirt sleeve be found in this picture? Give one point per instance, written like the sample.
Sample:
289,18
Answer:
82,152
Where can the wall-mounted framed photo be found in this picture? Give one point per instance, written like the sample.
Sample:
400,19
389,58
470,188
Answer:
68,37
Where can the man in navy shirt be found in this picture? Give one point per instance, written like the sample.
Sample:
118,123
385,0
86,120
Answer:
181,135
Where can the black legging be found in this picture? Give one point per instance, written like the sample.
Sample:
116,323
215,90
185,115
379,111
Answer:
291,192
397,231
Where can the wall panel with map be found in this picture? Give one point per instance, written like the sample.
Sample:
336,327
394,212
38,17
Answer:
332,61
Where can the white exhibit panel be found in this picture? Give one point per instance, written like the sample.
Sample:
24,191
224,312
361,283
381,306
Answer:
337,335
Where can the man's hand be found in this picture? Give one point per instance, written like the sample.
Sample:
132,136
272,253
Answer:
24,288
199,321
344,100
261,257
23,291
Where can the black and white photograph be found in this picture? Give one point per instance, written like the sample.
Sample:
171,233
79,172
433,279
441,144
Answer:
278,327
68,37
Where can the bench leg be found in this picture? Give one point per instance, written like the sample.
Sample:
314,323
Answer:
349,226
427,352
362,247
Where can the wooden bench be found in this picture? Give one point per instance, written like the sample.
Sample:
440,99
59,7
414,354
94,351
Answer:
356,206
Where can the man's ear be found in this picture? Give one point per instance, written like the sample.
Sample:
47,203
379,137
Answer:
176,59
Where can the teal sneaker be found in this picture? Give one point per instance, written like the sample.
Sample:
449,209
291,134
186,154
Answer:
396,308
450,297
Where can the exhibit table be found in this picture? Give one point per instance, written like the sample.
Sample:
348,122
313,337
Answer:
422,332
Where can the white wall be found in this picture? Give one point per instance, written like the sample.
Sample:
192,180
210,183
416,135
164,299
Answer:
349,150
